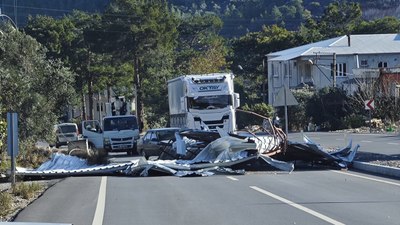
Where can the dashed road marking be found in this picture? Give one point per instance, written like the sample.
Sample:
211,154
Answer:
304,209
232,178
368,178
365,141
392,143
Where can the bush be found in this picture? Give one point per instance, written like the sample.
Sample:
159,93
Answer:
5,203
5,164
25,190
354,121
244,119
298,119
328,108
31,157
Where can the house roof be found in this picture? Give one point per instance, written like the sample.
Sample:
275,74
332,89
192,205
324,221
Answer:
359,44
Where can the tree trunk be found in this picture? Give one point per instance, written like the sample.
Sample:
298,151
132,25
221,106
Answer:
83,100
90,95
139,103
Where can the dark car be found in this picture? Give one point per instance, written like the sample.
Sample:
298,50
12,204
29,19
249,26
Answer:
154,142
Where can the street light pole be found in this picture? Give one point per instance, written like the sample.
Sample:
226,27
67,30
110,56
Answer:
9,18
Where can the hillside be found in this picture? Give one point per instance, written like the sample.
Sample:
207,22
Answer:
239,16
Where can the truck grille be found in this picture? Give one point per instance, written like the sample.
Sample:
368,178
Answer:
121,139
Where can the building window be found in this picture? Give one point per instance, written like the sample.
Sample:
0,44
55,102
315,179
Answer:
341,69
286,70
364,63
382,65
273,70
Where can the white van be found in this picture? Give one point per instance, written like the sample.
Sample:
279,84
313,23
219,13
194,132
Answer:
66,132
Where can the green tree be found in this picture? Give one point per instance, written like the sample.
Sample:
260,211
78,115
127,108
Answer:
200,49
378,26
64,40
340,18
136,29
298,119
248,57
328,108
34,87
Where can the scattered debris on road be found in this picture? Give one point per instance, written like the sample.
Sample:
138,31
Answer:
203,153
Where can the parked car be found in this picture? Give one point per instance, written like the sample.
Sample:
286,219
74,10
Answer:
66,132
155,140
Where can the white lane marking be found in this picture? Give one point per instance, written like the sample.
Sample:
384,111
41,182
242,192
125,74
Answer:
365,141
101,203
305,209
392,143
367,178
232,178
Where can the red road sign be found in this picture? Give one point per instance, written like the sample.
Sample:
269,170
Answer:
369,104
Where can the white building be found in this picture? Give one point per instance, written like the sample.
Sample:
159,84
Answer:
105,103
355,56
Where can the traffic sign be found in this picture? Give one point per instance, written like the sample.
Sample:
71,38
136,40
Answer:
369,104
284,98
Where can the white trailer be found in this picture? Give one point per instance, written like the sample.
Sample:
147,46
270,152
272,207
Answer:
204,101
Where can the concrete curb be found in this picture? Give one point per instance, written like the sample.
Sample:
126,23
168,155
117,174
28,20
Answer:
378,169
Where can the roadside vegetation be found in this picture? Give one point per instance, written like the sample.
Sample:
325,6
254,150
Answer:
136,46
18,196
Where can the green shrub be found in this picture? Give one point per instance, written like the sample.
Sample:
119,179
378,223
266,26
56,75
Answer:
354,121
246,119
31,157
25,190
5,203
5,164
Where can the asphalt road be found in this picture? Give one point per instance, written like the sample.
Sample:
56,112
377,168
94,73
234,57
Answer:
388,144
302,197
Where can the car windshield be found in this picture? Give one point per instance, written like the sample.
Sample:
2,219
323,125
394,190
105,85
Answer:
166,135
120,123
67,129
210,102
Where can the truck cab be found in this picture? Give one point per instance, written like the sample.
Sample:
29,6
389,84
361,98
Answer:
203,101
117,133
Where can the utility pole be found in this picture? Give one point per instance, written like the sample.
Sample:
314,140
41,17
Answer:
334,70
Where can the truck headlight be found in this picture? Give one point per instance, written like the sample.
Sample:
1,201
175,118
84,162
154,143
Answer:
106,141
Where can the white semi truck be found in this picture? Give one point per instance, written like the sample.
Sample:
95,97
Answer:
204,101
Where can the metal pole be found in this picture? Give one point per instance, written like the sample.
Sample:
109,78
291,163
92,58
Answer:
286,113
334,70
370,121
13,168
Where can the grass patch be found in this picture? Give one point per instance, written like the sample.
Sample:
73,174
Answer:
5,203
26,190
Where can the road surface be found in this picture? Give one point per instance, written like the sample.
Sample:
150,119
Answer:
388,144
302,197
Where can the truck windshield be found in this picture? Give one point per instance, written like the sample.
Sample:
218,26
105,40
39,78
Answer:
120,123
210,102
